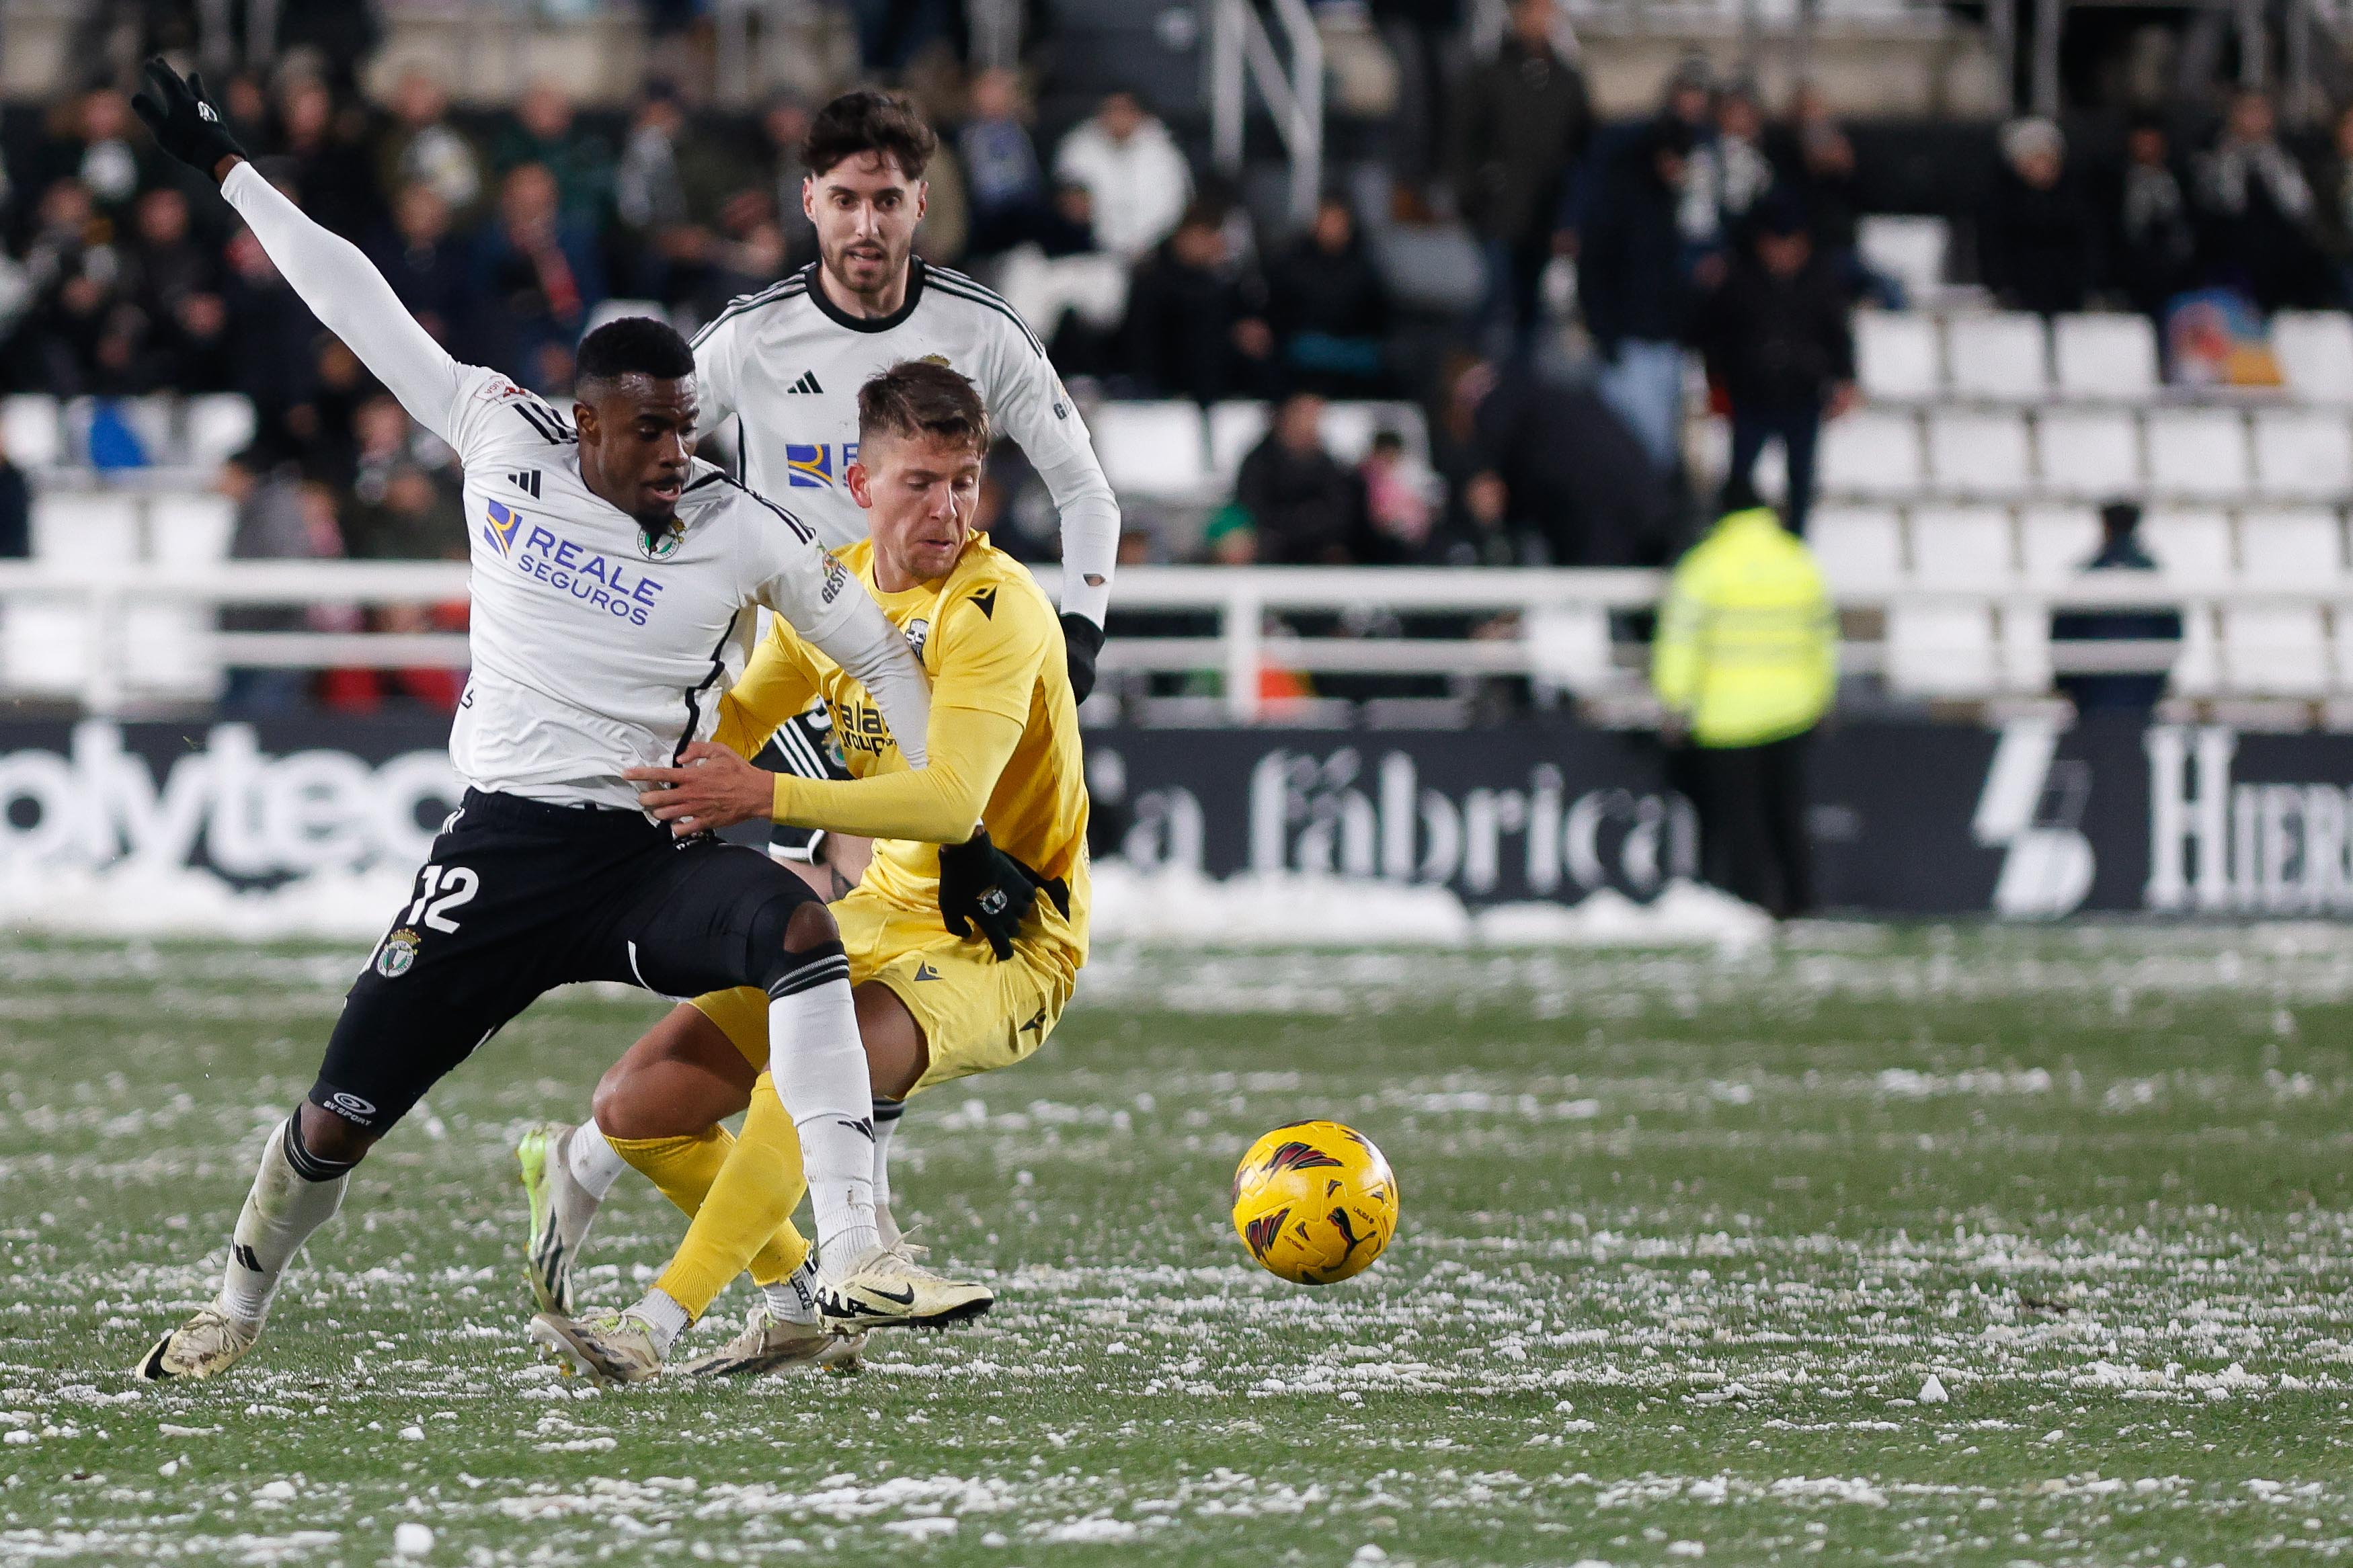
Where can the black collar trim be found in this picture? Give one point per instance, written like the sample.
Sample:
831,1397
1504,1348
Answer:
842,317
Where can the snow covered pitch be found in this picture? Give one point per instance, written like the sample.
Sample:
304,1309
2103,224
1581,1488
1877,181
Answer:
1968,1246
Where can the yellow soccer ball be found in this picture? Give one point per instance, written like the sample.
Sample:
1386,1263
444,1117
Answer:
1315,1202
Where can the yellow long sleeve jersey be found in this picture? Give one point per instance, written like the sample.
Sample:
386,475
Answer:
1003,745
1747,642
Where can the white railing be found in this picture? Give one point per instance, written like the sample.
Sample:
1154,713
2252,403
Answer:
1551,626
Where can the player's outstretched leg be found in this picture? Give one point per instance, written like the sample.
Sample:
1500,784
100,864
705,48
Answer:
566,1171
294,1193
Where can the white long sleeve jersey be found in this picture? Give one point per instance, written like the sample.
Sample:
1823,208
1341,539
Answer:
789,363
597,647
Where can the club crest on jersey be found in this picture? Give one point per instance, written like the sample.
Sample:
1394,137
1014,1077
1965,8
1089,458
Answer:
397,953
919,632
662,545
939,360
498,526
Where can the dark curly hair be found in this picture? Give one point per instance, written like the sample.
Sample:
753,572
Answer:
866,121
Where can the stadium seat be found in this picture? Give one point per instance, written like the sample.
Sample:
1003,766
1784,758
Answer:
1942,650
2290,549
1910,250
1979,454
2002,356
44,646
1962,547
1861,549
1873,452
1152,449
84,533
2315,349
2091,454
190,530
1349,429
2303,453
1043,289
215,427
1897,356
2274,650
1234,428
2109,359
30,434
167,651
2199,452
2053,543
2191,549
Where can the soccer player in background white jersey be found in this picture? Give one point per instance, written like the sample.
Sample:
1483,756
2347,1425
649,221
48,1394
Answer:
615,584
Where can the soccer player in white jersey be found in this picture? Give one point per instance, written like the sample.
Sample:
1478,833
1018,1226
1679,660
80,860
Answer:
615,584
785,365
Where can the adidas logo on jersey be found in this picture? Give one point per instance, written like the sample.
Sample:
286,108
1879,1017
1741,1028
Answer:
526,480
808,383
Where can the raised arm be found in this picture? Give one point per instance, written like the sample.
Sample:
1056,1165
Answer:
1036,411
343,291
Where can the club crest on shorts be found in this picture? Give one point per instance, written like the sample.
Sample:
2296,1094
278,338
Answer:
660,545
399,952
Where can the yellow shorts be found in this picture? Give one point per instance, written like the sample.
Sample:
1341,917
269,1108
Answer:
977,1014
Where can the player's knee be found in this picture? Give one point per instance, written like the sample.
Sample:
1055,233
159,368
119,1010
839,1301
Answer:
809,927
331,1140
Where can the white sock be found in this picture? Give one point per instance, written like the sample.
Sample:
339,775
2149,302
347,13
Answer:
660,1312
792,1299
886,1123
593,1162
821,1075
294,1194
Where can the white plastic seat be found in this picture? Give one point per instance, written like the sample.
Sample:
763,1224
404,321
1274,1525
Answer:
2274,650
1912,250
2197,452
2088,453
2290,549
1896,355
1349,428
2055,543
215,427
1152,449
167,650
1234,428
1873,452
2001,355
2104,358
1942,650
1859,549
2191,549
1979,454
2303,453
85,536
1962,547
2314,349
44,646
30,434
190,530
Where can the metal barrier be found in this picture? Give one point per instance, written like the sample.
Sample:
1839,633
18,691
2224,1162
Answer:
1555,627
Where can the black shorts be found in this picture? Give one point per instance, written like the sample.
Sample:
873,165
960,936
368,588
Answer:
518,897
803,747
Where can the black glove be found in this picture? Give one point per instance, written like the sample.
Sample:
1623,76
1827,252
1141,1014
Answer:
184,122
981,885
1082,639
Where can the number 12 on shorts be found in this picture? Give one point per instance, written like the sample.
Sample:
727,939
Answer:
454,885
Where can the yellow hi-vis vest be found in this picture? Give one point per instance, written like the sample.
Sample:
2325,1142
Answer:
1747,643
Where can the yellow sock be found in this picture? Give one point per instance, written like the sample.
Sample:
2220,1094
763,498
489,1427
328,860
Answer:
683,1170
745,1212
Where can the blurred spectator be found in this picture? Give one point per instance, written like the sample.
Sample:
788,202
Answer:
1230,537
278,518
543,269
1816,166
2120,551
1777,342
2037,245
2258,213
175,284
1069,225
1395,504
401,515
1746,663
1420,35
1574,486
2155,242
1137,181
1195,325
545,132
322,158
947,209
783,129
271,330
1635,281
327,424
425,263
1730,174
73,280
424,149
668,192
2334,199
15,509
98,142
1008,187
1524,120
1329,307
1306,507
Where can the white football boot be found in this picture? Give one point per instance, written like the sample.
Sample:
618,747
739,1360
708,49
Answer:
561,1212
888,1289
771,1343
205,1346
617,1347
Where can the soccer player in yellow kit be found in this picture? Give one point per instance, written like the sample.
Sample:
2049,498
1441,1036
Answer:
933,1004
